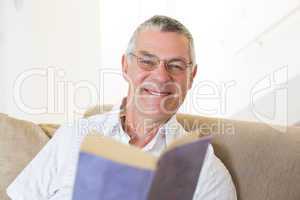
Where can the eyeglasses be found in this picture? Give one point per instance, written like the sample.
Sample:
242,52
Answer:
173,66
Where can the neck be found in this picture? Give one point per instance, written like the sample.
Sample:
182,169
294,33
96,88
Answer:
141,128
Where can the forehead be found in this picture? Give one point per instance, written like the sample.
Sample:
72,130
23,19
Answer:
163,44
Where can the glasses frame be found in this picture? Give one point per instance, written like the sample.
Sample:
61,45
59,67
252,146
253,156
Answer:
165,64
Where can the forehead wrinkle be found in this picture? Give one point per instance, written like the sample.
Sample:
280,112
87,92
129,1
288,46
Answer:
148,54
162,42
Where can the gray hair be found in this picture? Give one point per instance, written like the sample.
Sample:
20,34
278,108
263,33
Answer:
163,24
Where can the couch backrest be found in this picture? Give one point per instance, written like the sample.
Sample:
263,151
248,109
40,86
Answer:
20,141
264,162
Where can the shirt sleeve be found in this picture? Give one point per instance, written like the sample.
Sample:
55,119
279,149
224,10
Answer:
214,181
38,181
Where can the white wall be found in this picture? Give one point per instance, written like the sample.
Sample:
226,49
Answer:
275,105
273,81
238,43
64,35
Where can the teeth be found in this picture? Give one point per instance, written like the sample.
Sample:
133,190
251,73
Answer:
157,93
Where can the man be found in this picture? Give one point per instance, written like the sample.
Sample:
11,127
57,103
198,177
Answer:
159,66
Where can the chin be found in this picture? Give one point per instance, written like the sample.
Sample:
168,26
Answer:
155,110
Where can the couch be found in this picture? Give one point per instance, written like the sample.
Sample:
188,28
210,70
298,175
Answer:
264,160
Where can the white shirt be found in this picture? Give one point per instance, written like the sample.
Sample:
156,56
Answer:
51,174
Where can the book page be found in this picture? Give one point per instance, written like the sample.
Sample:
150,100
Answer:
110,170
109,148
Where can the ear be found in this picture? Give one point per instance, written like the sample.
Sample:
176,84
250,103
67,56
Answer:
124,67
191,78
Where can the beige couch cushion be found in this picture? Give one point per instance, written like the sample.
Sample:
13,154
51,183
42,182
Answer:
19,143
49,129
264,162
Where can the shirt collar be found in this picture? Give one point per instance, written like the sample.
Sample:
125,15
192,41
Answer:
171,130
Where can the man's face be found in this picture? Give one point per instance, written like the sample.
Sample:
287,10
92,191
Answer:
157,92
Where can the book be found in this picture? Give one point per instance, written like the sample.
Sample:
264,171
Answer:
110,170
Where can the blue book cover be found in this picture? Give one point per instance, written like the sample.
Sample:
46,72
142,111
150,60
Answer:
109,170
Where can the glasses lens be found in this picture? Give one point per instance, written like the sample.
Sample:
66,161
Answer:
176,67
150,63
147,63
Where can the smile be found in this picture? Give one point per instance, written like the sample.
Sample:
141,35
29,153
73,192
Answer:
157,93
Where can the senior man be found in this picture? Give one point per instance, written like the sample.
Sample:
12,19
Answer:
159,66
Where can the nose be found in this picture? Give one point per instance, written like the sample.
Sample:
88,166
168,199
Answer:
161,74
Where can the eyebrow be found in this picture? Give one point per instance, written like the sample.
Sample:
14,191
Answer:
148,54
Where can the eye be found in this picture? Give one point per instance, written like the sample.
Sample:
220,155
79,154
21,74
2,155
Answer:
177,66
145,61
